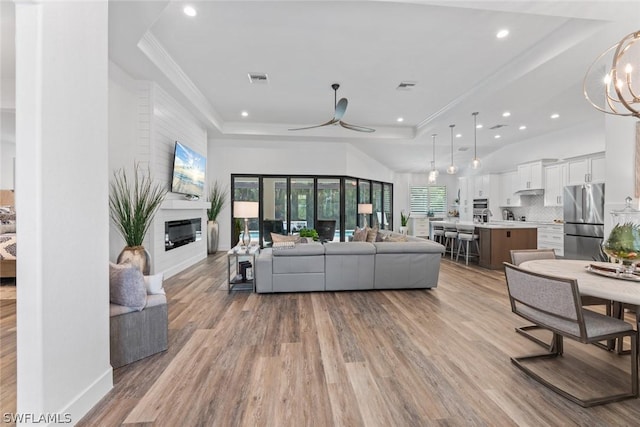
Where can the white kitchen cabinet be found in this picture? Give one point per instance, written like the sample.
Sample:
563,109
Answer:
481,186
466,199
588,169
551,236
419,226
555,178
508,187
530,176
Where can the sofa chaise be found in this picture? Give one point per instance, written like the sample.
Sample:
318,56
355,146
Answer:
338,266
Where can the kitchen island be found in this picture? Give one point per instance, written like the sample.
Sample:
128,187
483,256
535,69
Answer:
496,240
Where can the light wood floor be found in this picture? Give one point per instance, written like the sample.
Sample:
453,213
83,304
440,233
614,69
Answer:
378,358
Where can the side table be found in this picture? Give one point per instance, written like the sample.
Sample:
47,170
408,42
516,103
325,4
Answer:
236,257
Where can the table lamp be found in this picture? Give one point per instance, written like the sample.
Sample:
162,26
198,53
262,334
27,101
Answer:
365,209
245,210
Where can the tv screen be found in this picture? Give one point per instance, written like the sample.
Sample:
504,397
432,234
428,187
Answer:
188,171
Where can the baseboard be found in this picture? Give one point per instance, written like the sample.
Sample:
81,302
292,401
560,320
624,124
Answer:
172,271
88,398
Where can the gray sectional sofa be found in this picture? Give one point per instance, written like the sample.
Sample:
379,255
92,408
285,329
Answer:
338,266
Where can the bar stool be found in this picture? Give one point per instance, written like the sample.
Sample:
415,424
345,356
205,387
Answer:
450,238
465,235
438,232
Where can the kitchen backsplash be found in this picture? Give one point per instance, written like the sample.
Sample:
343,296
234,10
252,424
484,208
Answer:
534,210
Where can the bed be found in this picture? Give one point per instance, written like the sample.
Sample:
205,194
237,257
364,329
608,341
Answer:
7,234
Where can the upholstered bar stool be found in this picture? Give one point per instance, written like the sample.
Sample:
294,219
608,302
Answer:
466,235
450,238
438,232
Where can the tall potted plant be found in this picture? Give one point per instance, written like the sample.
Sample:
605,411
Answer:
132,206
217,199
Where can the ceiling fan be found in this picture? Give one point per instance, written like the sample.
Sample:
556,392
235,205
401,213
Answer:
340,108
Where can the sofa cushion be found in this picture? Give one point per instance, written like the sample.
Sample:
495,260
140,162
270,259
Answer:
152,301
126,286
408,247
349,248
301,250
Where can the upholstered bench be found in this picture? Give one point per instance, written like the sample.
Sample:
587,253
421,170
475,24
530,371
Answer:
138,334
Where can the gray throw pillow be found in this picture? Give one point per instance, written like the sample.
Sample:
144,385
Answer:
126,286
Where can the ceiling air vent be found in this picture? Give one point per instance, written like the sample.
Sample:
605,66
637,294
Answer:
406,85
463,148
497,126
258,77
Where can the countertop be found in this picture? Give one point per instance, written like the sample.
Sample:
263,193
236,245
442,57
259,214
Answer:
503,224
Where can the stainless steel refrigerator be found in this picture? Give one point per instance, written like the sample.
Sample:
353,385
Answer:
583,221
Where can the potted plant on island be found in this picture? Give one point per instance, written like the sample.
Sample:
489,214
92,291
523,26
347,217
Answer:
404,221
217,200
132,206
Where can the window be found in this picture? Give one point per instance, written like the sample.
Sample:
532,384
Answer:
426,200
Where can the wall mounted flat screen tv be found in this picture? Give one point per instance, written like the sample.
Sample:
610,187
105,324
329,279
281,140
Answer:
188,171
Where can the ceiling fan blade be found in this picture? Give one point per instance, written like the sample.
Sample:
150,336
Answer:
330,122
341,108
356,127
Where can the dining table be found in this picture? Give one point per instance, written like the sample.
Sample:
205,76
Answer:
594,278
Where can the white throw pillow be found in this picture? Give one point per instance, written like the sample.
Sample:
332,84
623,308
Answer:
154,284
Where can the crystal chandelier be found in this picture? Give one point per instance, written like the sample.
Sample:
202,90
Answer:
475,163
452,169
615,93
433,174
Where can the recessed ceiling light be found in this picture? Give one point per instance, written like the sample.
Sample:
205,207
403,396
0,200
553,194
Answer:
555,115
244,114
502,33
479,126
190,11
506,114
523,127
497,136
400,119
458,135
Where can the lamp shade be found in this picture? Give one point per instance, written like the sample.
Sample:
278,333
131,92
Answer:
365,208
245,209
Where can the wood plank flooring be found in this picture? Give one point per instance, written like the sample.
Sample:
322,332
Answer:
375,358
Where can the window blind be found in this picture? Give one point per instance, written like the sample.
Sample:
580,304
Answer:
428,199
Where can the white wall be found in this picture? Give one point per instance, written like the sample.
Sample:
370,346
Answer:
61,196
586,138
7,156
226,157
144,123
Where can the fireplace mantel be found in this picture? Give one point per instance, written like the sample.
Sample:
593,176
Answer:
184,204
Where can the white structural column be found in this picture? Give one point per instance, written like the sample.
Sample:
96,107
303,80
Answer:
62,202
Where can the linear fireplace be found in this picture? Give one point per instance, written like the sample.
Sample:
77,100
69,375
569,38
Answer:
181,232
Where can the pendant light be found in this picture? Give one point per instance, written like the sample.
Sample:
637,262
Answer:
475,163
452,169
433,174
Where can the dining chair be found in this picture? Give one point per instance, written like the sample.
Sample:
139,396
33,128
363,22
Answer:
554,303
518,256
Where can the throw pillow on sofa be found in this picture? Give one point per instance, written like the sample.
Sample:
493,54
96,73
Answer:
126,286
372,234
276,238
360,234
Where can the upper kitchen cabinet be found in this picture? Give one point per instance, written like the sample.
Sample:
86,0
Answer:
481,186
508,186
530,176
555,178
589,169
